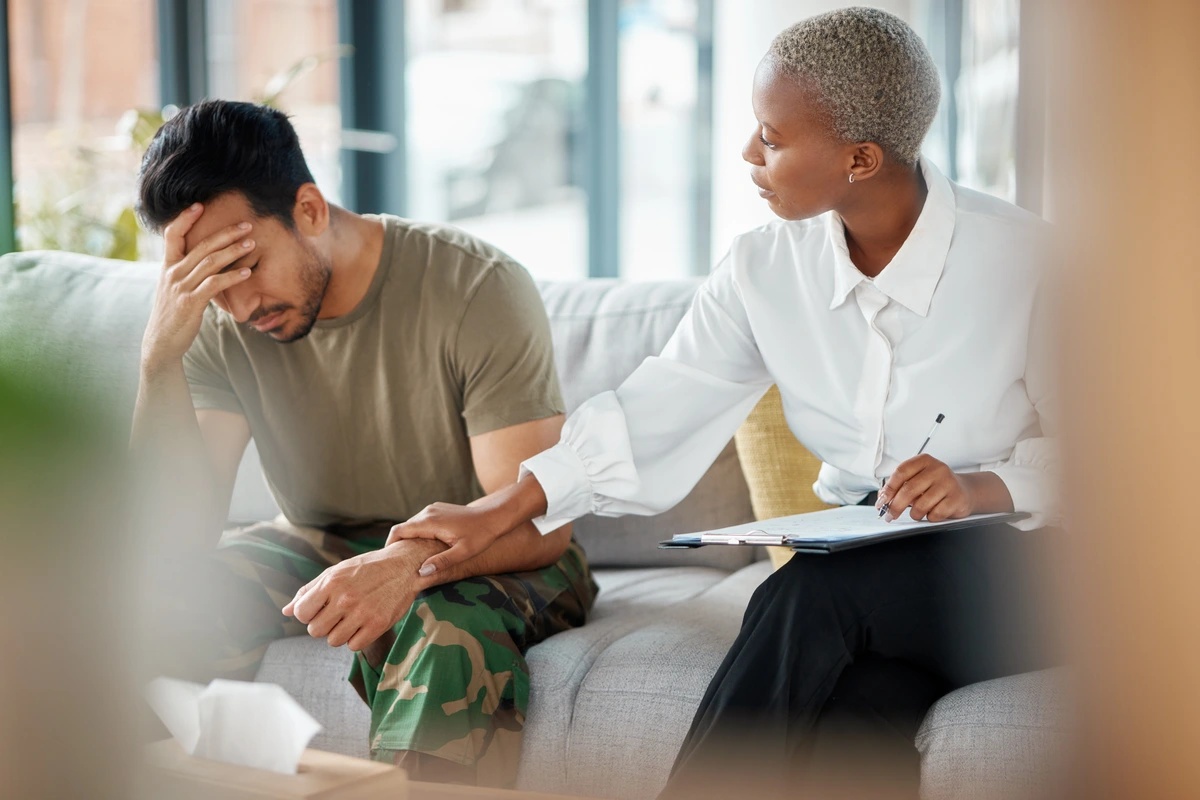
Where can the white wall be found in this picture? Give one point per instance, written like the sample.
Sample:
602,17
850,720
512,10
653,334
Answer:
742,31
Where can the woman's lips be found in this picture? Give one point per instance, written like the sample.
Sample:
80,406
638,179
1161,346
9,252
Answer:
762,191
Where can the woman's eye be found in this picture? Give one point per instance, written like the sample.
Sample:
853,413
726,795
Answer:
765,142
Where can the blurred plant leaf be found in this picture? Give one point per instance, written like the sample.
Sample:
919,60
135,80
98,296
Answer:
285,78
125,236
140,125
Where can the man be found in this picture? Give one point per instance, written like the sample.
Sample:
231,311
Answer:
379,364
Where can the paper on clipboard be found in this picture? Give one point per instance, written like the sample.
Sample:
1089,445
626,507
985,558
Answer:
827,528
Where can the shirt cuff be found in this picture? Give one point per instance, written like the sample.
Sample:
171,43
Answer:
1029,491
564,480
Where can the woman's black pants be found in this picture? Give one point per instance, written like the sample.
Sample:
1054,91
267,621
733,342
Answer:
840,656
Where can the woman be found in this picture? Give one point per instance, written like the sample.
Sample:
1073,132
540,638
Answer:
884,296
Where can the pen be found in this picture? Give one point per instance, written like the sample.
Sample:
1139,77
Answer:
884,508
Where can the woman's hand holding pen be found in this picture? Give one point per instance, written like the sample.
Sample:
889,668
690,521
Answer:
936,493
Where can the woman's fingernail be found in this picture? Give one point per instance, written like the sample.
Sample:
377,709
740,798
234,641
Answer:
426,570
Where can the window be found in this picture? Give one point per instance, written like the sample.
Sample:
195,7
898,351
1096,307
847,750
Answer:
661,145
78,68
573,134
987,91
495,105
285,52
976,46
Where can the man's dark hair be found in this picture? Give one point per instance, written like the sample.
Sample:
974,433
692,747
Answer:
219,146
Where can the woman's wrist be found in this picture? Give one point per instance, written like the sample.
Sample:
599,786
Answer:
986,492
513,506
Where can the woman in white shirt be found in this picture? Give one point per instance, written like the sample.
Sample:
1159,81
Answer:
884,296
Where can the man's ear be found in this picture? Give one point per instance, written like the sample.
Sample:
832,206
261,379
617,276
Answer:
311,211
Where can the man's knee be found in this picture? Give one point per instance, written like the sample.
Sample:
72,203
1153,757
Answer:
462,645
447,681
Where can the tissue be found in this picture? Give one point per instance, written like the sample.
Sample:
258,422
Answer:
252,724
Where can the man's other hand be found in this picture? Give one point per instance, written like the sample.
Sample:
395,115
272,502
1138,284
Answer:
357,601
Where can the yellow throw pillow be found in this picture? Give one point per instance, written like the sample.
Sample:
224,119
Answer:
779,471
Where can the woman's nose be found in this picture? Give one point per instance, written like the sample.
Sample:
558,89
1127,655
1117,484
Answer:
752,152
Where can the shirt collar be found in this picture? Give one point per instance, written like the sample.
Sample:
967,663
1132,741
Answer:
915,270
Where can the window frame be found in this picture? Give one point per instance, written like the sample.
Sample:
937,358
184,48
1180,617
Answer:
182,51
8,219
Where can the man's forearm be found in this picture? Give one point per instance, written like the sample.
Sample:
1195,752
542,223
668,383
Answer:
167,444
164,409
521,550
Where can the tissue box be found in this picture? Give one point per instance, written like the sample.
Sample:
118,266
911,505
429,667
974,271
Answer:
171,774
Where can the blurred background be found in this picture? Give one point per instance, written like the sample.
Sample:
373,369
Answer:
585,137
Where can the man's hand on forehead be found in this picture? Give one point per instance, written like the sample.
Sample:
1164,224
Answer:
190,280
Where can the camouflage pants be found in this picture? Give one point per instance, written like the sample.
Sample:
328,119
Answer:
449,680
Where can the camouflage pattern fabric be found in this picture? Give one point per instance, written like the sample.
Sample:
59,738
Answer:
449,680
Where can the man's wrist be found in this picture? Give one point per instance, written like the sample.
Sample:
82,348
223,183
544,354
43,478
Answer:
154,367
414,552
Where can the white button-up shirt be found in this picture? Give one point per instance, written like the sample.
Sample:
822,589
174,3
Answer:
957,324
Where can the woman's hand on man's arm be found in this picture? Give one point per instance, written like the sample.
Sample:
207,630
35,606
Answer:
469,530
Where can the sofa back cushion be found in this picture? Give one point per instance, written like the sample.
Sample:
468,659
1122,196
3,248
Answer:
85,315
88,314
602,330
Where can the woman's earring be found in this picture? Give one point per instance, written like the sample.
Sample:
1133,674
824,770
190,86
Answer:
852,177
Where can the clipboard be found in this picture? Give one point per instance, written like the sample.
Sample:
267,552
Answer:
830,531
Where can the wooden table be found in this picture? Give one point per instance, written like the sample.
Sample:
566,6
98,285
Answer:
171,774
444,791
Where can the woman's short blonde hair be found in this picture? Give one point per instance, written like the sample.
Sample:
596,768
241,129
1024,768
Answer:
875,76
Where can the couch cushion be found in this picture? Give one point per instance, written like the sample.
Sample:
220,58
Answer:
636,703
315,674
720,499
997,739
602,330
87,314
84,314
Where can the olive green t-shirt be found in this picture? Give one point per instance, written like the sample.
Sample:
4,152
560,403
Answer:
368,417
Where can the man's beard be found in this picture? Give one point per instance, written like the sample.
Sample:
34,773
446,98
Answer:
314,280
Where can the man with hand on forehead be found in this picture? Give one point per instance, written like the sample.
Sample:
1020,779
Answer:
379,364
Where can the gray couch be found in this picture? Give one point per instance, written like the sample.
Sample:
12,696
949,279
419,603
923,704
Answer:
610,701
